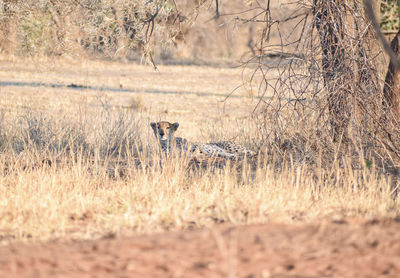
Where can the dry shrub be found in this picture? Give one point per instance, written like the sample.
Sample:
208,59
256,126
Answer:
171,31
322,102
38,138
103,28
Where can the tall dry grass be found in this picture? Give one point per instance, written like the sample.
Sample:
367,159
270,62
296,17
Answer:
62,176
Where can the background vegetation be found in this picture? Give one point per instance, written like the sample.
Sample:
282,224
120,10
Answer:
389,15
124,29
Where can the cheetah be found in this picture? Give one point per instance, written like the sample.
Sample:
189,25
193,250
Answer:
164,132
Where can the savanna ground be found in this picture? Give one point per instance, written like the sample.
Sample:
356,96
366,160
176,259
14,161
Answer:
83,194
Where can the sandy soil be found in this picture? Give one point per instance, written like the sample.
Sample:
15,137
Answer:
346,249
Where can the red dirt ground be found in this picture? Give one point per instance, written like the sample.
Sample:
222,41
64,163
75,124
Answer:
345,249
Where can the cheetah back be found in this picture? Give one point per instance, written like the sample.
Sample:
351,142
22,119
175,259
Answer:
234,148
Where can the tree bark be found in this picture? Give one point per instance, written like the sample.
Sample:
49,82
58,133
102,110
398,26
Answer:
377,9
329,22
391,90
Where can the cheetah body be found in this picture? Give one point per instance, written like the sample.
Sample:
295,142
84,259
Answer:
228,150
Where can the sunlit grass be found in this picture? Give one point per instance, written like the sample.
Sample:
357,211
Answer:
84,167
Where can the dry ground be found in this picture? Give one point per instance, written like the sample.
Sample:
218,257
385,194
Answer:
54,209
347,249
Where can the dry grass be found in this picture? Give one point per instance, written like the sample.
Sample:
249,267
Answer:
90,136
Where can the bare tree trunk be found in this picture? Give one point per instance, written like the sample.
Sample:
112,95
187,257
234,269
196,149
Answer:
391,90
377,9
329,21
59,31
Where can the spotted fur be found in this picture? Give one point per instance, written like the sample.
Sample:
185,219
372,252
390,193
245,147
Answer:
164,132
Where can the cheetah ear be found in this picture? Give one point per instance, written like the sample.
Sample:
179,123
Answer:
153,125
175,125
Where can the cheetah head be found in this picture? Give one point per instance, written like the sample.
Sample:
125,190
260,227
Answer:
164,131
